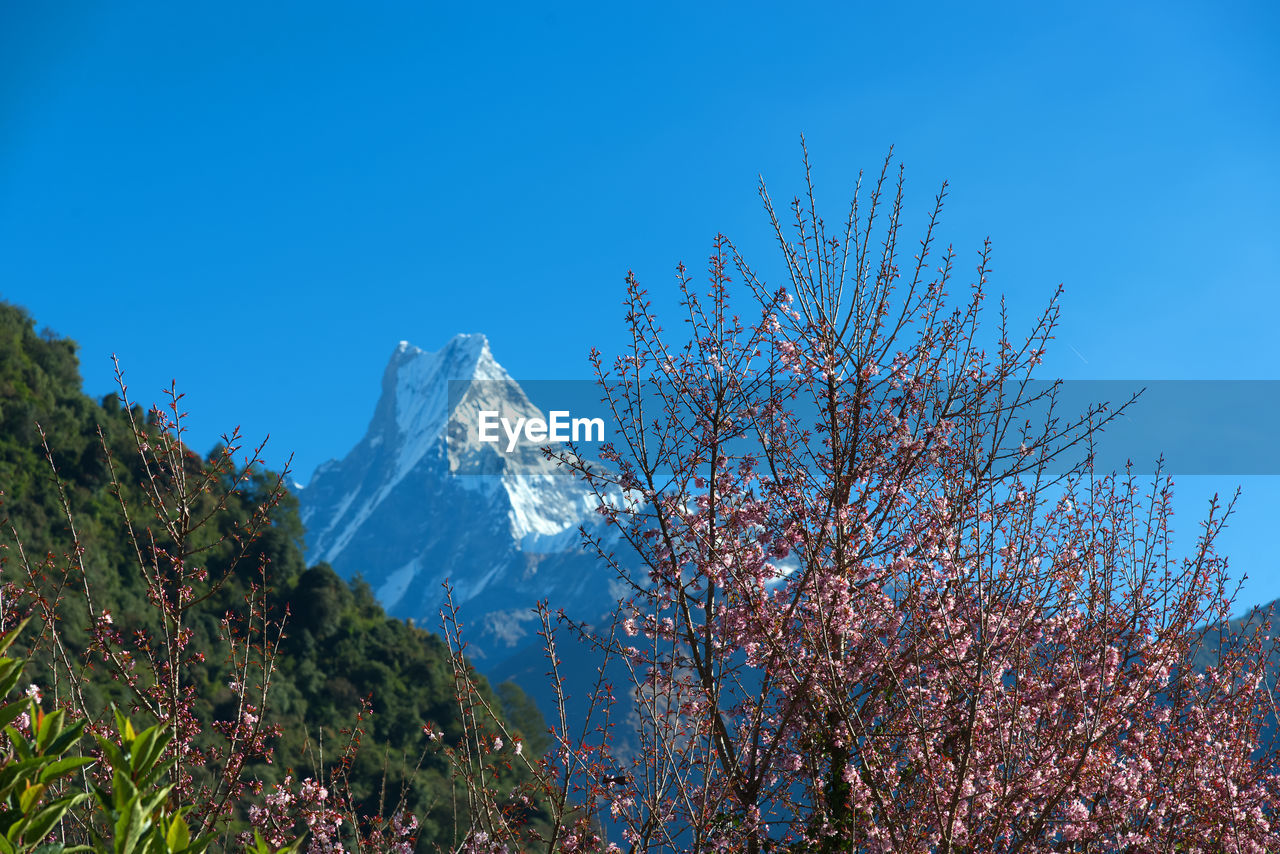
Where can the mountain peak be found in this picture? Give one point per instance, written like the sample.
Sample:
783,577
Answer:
468,340
419,499
415,386
460,344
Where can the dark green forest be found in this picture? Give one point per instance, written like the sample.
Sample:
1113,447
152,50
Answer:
339,648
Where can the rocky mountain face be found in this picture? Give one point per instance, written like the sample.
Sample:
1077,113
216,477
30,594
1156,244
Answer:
420,500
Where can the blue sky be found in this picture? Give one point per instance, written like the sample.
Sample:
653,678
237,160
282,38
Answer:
260,200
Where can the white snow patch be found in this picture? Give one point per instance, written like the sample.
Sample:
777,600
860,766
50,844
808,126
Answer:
484,582
397,583
537,506
341,510
349,531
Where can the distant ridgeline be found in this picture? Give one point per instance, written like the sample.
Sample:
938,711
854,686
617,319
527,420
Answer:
1210,653
340,647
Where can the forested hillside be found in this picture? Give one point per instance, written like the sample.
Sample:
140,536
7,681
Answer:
338,649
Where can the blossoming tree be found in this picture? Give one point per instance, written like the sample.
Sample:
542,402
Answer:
877,610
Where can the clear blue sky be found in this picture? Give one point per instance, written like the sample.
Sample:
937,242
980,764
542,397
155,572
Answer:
262,199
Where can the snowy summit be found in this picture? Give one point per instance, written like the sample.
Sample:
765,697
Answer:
418,501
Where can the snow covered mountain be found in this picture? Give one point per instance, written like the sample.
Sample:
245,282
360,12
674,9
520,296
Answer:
419,500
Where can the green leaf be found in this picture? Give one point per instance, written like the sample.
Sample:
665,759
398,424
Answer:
42,823
115,757
162,770
158,797
129,827
147,748
12,635
102,795
65,767
10,673
63,742
18,773
124,727
123,791
259,846
30,797
19,742
199,845
49,727
179,836
11,711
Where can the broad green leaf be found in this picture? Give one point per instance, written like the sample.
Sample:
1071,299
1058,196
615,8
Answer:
19,742
10,673
30,797
179,836
146,750
198,846
43,822
157,798
259,846
49,726
113,753
10,712
12,635
69,736
162,770
123,791
124,726
65,767
18,773
103,796
129,827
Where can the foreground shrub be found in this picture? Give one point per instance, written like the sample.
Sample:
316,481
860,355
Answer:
170,586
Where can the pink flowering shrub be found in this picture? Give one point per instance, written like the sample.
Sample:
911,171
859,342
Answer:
875,611
206,761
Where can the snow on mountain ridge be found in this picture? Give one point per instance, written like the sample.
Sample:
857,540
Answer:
415,392
419,499
422,390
